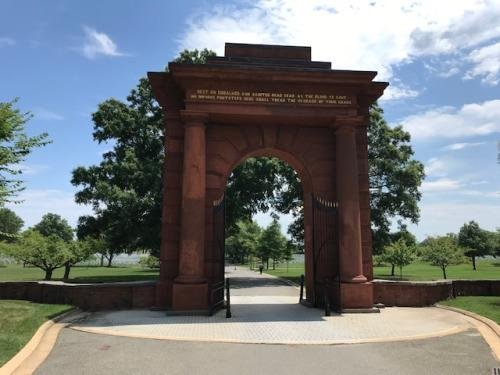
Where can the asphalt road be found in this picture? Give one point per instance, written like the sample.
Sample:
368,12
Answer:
86,353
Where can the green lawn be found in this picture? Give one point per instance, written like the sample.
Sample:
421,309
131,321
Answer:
486,269
482,305
19,320
80,274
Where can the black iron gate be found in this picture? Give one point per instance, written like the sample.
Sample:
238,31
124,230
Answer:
326,265
217,281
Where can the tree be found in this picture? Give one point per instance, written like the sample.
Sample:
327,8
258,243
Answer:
495,242
272,244
125,189
10,224
442,252
76,252
15,146
399,254
394,177
403,235
475,241
33,248
53,225
243,242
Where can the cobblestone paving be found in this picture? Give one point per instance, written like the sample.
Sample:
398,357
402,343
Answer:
266,310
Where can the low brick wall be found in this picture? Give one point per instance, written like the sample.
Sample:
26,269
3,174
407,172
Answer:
476,287
410,293
106,296
141,294
426,293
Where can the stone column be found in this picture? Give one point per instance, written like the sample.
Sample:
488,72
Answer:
190,290
351,259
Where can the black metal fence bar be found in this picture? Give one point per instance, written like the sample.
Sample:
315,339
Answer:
301,297
228,299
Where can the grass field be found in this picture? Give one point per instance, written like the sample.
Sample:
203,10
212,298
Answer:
486,269
80,274
19,320
482,305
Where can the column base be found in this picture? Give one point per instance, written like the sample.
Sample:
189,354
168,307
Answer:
163,295
190,297
356,295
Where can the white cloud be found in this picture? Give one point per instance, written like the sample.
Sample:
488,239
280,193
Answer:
486,62
6,41
461,146
367,35
398,92
435,167
97,43
31,169
449,122
441,184
45,114
37,203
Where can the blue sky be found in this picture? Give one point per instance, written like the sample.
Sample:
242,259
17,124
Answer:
61,58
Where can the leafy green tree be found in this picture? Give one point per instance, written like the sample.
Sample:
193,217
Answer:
10,224
475,241
394,177
125,189
442,252
76,252
35,249
399,254
495,242
55,225
272,244
15,146
243,242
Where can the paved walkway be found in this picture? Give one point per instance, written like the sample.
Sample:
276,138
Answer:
266,310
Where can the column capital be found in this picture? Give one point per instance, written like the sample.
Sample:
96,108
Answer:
194,118
348,123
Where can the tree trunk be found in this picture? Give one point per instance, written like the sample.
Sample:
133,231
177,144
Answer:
67,269
444,272
401,272
267,263
274,264
102,260
48,274
110,259
392,270
473,263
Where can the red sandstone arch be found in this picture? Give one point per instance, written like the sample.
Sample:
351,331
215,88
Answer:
262,101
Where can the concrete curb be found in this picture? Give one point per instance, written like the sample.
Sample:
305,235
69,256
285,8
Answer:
31,356
486,327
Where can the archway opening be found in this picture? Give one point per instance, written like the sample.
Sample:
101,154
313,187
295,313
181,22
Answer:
264,233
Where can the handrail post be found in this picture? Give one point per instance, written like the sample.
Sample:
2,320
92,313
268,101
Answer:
301,288
327,300
228,297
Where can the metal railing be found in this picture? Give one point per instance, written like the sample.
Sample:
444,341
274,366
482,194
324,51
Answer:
228,299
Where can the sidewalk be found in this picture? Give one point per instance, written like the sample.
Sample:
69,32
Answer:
265,309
